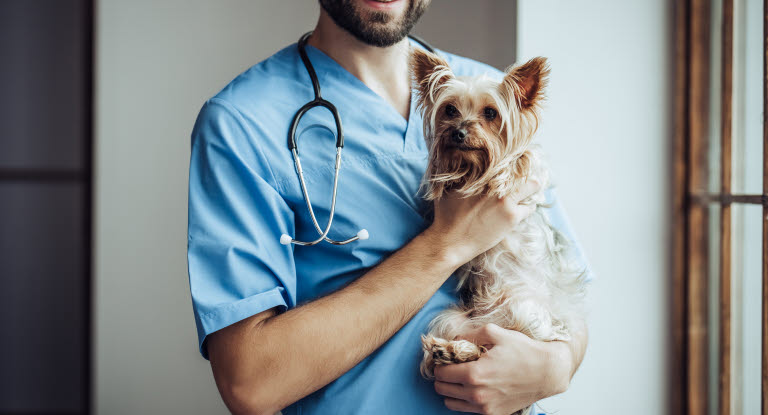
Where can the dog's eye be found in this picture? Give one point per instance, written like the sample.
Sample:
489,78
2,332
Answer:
490,113
451,111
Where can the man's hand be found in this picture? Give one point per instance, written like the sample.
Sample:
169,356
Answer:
469,226
515,372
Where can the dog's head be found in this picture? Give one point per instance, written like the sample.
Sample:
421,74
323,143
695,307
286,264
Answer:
476,128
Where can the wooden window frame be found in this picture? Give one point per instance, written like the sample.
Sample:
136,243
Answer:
690,201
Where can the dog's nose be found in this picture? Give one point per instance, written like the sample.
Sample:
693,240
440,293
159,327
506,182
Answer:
459,135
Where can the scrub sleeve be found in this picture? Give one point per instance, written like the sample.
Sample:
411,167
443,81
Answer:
559,219
237,267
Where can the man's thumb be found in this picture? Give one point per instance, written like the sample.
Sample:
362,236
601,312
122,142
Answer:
487,335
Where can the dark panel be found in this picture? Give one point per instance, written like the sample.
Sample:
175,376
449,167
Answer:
43,76
42,315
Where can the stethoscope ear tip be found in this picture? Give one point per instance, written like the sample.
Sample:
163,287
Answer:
363,234
285,239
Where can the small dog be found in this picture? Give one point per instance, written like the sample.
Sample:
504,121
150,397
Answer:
479,133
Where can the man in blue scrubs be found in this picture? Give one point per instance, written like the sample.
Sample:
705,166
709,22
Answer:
336,329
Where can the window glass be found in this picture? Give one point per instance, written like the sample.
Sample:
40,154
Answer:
713,258
748,55
746,308
715,96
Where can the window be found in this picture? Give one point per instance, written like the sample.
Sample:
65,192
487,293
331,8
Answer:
720,207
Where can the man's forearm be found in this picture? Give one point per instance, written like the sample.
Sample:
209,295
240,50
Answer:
578,345
263,366
566,359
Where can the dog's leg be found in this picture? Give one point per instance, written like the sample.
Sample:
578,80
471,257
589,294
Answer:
439,351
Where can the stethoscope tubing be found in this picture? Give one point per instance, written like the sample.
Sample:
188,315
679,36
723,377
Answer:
318,101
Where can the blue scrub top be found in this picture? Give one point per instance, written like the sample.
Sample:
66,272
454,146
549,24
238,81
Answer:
244,193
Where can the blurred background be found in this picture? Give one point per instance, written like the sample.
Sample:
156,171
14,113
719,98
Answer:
99,99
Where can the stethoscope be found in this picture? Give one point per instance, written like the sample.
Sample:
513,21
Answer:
292,145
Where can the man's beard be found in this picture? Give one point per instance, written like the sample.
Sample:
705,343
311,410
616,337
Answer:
374,28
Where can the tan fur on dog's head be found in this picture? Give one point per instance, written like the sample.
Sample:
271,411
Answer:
477,129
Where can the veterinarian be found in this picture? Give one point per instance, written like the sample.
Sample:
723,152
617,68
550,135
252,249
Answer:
329,329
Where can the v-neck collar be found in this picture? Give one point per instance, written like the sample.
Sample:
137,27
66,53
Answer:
409,128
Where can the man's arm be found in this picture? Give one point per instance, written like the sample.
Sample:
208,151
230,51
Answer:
269,361
571,355
264,364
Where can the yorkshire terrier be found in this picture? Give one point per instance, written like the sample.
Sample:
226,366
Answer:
479,133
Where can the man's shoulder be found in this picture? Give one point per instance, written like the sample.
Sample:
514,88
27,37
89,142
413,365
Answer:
255,107
263,85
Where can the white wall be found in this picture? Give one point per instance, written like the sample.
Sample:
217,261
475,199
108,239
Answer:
447,23
157,61
607,131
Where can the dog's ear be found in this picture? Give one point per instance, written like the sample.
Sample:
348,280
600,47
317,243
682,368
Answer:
428,72
527,82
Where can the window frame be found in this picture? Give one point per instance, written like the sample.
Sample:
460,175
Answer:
690,209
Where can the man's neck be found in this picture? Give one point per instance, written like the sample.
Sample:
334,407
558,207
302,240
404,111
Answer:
383,70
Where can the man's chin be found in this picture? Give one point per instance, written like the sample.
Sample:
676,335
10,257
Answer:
376,23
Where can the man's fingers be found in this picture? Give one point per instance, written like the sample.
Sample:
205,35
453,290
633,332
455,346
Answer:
467,374
458,373
462,406
529,188
523,211
487,335
452,390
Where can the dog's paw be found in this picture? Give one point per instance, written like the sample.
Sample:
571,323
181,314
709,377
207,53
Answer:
439,351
